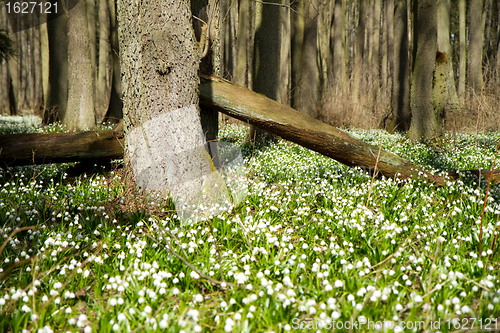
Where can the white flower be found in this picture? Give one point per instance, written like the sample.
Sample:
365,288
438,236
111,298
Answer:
339,284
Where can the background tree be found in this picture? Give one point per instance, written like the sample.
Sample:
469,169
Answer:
425,123
267,56
476,35
401,86
80,112
463,49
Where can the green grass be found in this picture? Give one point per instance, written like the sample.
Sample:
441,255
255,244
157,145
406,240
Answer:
303,247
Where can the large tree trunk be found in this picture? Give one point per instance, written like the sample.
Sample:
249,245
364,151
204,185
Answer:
80,113
164,142
426,124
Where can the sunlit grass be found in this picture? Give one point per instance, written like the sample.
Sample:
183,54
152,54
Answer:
305,246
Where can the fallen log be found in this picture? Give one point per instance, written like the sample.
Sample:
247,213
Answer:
35,148
256,109
237,102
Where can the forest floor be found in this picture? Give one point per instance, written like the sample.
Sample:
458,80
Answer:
313,245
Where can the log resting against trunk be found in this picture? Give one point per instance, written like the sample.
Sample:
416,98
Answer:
237,102
258,110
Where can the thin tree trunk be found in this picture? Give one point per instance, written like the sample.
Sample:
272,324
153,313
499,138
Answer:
210,64
4,74
339,45
401,86
375,63
286,55
297,42
358,70
115,111
324,19
385,50
56,98
426,124
390,42
267,58
463,50
104,70
475,71
447,98
91,23
242,41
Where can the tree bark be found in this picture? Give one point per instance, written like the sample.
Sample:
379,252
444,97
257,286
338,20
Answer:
476,34
56,98
242,42
104,69
164,141
267,57
445,92
27,149
80,113
339,45
307,91
256,109
426,123
210,64
358,70
463,45
375,63
115,111
401,85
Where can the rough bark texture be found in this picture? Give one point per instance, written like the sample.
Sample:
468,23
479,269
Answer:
80,113
163,135
426,124
401,85
476,34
